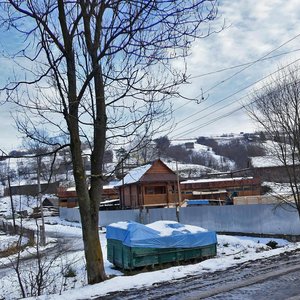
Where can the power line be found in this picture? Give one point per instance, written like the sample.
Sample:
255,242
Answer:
241,65
219,118
231,95
226,114
209,122
247,65
251,64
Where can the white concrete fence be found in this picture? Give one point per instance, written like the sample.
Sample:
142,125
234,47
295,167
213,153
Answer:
255,219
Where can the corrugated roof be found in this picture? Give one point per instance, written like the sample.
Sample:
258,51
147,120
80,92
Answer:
134,175
139,174
214,180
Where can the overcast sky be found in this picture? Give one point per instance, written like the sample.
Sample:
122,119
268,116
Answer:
253,29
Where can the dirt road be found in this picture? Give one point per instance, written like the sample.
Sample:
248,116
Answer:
272,278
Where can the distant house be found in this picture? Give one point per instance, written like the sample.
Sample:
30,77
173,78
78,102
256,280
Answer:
220,188
51,201
270,168
32,189
151,185
189,145
68,196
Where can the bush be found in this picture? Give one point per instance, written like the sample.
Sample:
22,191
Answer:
272,244
70,272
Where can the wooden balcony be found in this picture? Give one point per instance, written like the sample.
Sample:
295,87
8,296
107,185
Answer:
160,199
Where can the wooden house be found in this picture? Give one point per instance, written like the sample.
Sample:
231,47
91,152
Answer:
32,189
151,185
220,188
271,168
68,196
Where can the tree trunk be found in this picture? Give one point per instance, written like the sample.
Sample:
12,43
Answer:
88,205
89,212
93,252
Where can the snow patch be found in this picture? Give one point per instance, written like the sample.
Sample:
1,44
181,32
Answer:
167,228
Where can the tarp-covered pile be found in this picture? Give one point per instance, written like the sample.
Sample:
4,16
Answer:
161,234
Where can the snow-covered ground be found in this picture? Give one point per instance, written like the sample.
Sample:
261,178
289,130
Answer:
9,241
278,188
206,151
20,203
189,170
230,251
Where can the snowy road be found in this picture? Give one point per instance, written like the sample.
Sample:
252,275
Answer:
276,287
273,278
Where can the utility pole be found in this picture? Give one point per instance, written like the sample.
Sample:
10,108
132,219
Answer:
179,194
40,201
121,154
123,202
178,185
10,193
11,202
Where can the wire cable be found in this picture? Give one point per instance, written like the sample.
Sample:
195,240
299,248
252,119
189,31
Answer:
251,64
247,65
225,115
241,65
225,106
233,94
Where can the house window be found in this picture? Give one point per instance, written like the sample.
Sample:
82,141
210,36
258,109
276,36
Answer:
187,192
150,190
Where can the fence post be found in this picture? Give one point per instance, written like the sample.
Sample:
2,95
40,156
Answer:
141,217
177,214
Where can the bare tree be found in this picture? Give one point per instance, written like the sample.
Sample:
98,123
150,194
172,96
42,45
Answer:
37,272
276,108
142,150
102,72
162,145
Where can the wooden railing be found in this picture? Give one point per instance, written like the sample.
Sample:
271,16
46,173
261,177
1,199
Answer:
158,199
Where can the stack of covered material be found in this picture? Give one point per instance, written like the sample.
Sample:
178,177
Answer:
131,245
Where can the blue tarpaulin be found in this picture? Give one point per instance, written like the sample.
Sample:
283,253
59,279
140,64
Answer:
197,202
139,235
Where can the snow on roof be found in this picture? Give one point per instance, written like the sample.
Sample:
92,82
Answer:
268,161
112,201
134,175
105,187
214,180
71,189
265,162
108,187
181,166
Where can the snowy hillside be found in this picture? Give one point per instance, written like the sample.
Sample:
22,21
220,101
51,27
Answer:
195,159
189,170
209,157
